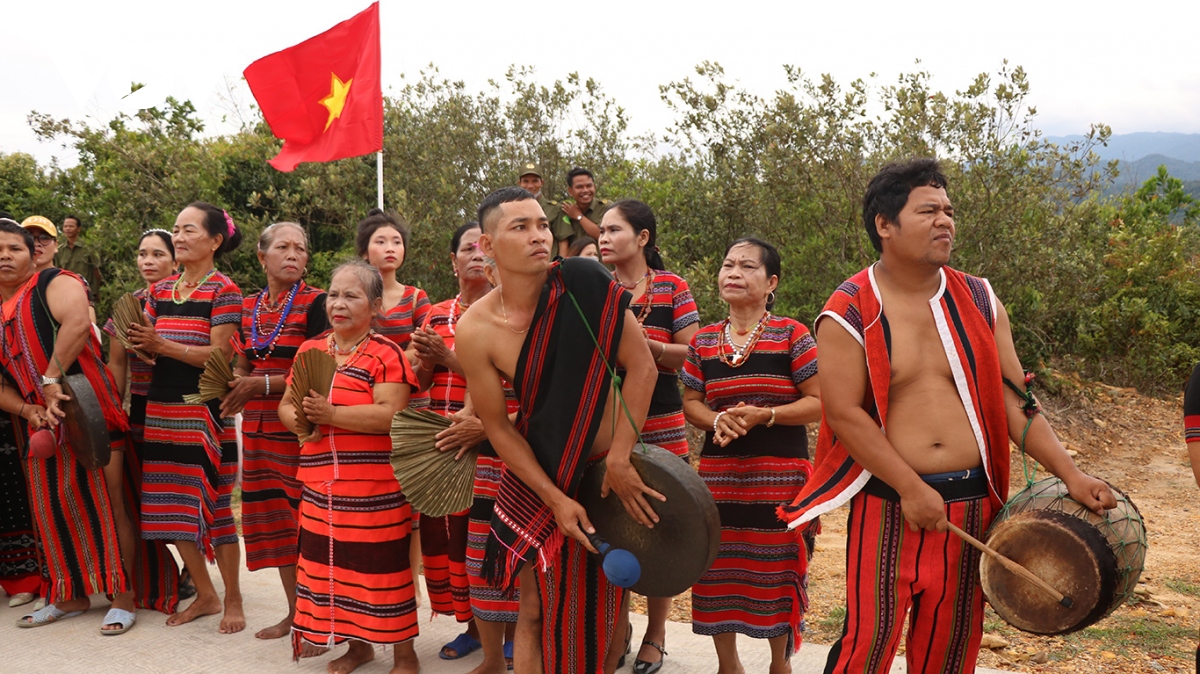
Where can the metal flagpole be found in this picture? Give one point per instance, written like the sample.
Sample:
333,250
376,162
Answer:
379,177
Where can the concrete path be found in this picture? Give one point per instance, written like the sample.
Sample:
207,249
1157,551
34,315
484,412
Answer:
75,645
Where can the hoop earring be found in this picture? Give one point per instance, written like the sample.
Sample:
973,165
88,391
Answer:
305,271
771,298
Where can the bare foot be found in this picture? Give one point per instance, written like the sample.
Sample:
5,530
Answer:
281,629
490,667
308,650
784,667
202,606
234,620
360,653
407,663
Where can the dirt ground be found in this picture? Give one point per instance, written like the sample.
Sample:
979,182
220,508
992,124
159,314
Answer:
1136,443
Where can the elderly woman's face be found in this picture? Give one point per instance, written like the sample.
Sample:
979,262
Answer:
743,279
347,305
287,256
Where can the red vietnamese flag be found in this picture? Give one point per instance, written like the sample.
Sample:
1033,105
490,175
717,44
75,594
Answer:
323,96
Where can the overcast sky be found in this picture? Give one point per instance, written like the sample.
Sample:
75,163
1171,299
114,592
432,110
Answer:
1116,63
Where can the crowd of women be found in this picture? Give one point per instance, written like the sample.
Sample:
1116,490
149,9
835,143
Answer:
324,507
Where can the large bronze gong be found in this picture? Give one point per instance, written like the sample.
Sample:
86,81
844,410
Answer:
87,434
682,545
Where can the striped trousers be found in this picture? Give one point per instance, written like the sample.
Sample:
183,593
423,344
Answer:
933,577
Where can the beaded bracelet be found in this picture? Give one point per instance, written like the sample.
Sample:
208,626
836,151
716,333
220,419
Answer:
267,378
718,420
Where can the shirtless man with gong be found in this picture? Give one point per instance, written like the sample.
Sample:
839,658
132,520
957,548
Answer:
553,329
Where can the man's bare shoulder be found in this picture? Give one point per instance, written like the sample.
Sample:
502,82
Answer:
477,321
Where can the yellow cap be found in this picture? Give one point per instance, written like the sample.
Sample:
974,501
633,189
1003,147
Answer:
42,223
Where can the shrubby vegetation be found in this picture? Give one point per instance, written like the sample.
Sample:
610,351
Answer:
1101,285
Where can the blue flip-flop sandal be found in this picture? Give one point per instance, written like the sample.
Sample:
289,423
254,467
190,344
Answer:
117,616
46,615
508,653
463,645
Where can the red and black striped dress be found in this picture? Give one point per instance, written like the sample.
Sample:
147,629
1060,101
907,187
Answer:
270,452
444,539
398,324
757,585
191,453
140,374
353,579
71,510
663,310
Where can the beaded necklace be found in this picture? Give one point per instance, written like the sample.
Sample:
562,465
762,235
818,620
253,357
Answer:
176,298
644,311
456,310
269,342
737,356
631,286
355,352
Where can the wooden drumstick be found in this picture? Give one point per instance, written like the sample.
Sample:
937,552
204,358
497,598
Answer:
1012,566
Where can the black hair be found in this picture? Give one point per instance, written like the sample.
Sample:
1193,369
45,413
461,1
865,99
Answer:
486,215
78,222
10,226
376,220
458,235
163,235
641,218
577,246
7,215
768,256
575,173
888,191
218,222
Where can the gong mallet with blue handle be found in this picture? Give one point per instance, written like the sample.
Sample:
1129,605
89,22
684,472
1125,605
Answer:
620,566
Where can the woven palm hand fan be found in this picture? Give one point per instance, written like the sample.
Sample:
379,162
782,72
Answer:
126,312
214,381
312,370
432,481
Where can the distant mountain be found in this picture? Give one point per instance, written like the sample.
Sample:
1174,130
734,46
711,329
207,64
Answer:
1131,147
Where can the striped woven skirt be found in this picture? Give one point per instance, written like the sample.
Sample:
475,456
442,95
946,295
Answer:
757,586
270,490
444,563
18,545
668,431
155,572
487,602
72,513
188,470
353,579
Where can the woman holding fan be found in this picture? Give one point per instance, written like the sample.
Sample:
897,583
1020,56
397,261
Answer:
275,322
353,579
190,461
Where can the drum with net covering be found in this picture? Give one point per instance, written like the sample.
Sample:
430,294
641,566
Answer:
1095,560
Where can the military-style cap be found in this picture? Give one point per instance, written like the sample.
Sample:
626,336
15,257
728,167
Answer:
42,223
529,168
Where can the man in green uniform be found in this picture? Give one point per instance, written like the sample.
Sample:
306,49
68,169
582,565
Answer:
531,181
580,215
76,257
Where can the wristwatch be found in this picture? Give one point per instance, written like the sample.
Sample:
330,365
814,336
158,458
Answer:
47,381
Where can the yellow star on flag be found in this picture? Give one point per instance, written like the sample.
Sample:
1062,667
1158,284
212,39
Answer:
336,100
